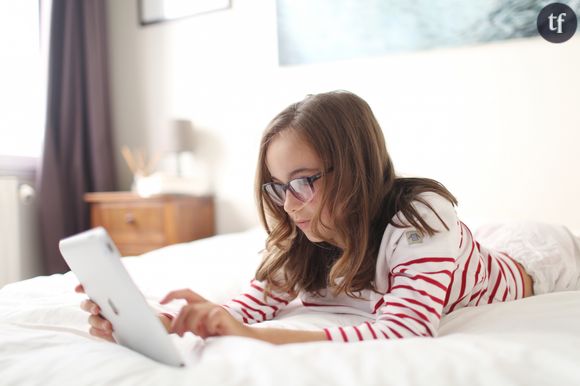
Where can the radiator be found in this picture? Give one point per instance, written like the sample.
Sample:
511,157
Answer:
19,230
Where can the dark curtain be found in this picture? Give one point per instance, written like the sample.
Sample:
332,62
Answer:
78,151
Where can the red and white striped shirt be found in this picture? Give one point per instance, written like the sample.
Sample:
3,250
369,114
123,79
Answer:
419,278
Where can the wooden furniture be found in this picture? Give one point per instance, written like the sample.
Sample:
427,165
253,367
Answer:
137,224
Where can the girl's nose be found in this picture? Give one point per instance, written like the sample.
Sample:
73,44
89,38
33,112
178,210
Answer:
291,203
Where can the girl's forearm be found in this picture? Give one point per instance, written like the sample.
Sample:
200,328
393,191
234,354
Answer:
270,335
282,336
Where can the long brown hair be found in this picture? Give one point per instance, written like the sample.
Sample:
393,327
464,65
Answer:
362,194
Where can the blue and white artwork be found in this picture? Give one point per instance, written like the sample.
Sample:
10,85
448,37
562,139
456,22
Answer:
311,31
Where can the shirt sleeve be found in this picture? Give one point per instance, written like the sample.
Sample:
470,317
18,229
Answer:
253,307
419,272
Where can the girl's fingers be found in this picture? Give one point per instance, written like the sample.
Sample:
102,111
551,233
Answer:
197,321
203,320
188,295
100,334
100,327
166,321
178,322
187,320
100,323
203,325
218,320
213,322
90,306
186,324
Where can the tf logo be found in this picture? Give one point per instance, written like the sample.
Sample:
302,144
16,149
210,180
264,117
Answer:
557,22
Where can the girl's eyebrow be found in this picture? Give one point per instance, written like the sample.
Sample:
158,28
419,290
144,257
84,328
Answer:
295,172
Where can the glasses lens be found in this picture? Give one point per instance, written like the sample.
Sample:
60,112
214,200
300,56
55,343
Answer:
276,193
302,189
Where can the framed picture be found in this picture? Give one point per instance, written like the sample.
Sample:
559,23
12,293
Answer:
329,30
157,11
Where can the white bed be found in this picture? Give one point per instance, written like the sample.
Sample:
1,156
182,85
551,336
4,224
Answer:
44,338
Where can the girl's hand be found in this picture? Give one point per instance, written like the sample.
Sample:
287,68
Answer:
100,327
203,318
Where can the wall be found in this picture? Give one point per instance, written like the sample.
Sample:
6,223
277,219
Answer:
496,123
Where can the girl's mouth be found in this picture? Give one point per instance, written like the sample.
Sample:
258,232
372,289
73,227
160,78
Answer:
302,224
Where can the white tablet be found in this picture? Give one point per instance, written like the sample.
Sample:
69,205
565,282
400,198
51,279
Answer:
96,262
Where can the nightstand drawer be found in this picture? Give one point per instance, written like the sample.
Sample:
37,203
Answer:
134,224
137,224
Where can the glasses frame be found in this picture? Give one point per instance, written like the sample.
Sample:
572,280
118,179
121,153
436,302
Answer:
288,187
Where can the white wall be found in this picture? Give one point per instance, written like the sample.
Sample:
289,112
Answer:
498,124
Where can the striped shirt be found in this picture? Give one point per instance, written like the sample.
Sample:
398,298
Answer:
419,278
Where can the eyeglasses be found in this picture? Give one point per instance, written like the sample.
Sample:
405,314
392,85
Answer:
301,188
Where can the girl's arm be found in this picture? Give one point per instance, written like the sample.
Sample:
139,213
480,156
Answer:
283,336
206,319
419,275
249,307
253,307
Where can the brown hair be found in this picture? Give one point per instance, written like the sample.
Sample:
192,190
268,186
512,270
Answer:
362,194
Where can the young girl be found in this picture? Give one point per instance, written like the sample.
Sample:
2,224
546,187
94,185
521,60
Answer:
347,235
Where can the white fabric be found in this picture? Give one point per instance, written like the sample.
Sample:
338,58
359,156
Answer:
549,253
44,338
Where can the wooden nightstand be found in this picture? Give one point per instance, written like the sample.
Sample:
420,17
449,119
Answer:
137,224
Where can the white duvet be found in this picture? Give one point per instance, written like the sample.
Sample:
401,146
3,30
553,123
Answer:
44,338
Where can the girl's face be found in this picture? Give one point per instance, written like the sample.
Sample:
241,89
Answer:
289,157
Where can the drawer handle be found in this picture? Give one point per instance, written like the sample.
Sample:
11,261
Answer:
129,218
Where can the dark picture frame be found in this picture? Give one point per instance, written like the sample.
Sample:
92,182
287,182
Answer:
158,11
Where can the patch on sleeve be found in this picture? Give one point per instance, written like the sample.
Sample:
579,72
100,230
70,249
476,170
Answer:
414,237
